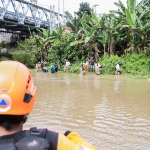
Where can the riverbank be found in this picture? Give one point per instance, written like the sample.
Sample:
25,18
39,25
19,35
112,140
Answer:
133,65
146,77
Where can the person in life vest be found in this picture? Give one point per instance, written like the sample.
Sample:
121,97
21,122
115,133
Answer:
17,99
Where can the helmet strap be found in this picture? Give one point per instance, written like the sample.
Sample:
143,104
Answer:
25,118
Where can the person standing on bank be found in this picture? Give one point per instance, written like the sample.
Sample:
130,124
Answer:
87,65
65,66
100,67
58,64
17,99
118,69
92,64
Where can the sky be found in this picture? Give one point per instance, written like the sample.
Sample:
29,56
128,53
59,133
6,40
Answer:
73,5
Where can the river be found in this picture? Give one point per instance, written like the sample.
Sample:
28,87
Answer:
111,112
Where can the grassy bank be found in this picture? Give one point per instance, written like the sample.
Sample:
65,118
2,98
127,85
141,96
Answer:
135,65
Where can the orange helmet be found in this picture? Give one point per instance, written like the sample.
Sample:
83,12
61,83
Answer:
17,90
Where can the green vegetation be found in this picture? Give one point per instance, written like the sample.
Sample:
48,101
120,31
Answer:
25,58
122,35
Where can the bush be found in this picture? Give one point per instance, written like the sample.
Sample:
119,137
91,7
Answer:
135,64
75,68
4,58
25,57
108,64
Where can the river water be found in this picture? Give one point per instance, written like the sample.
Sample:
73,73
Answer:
111,112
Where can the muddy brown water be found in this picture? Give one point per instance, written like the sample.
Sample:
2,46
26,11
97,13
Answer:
111,112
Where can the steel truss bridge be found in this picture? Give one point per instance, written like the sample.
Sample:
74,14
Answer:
26,16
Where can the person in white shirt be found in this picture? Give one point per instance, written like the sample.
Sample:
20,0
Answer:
82,69
97,69
68,65
118,69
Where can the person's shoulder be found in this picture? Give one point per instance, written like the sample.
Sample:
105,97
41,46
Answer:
43,132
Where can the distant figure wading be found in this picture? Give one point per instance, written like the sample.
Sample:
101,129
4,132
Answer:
118,69
38,67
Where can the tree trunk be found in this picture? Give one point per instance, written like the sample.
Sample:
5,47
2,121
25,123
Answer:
144,41
110,45
108,50
96,53
104,49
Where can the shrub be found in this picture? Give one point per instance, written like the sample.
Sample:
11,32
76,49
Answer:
4,58
25,57
135,64
75,68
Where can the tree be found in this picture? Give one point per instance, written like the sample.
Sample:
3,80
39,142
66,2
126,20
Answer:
110,27
89,29
103,40
43,43
73,23
84,9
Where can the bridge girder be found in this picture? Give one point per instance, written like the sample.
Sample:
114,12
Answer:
19,19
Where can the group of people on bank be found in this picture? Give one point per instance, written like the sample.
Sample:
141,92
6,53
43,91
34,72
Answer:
97,68
92,66
41,67
89,66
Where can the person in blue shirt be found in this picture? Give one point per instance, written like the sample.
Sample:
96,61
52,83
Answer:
45,69
52,68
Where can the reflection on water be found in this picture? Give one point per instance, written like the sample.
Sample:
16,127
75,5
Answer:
117,83
111,112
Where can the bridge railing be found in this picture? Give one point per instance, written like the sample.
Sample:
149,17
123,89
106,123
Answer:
22,9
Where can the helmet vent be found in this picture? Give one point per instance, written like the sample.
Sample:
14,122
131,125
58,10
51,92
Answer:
29,79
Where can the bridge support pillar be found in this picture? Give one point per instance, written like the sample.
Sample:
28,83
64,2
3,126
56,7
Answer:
28,35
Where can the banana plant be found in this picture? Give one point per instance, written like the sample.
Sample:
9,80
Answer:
58,33
121,9
135,23
73,23
43,43
129,22
104,40
143,26
110,27
87,31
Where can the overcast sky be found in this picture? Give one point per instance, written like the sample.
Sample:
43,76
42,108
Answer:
73,5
